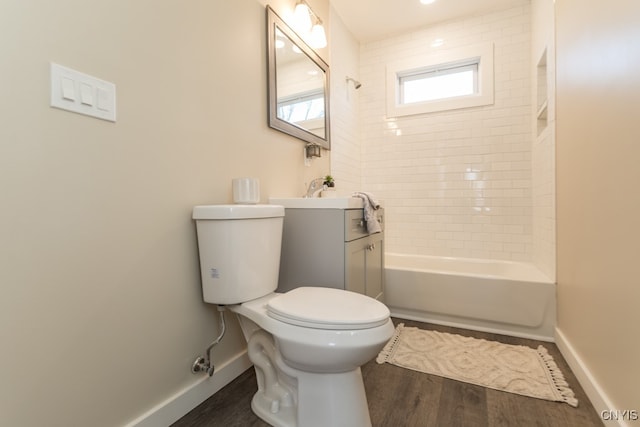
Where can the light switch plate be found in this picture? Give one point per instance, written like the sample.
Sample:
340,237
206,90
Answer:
74,91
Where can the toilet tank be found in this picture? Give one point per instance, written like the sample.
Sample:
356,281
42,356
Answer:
239,249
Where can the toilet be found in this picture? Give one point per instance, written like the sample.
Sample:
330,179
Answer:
307,345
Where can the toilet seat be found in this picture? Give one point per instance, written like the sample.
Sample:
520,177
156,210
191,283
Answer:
328,308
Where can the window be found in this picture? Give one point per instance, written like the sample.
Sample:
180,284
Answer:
449,80
439,82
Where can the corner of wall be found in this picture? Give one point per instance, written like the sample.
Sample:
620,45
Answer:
599,399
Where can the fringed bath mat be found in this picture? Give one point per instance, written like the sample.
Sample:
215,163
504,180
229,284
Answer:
513,368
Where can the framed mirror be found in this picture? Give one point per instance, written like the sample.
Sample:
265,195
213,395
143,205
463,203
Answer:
298,85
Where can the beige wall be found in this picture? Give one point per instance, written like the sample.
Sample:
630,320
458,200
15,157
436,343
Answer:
101,313
598,99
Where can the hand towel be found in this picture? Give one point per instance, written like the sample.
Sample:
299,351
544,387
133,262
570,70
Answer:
371,207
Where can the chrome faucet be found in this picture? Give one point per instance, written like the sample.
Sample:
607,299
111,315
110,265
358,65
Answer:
315,187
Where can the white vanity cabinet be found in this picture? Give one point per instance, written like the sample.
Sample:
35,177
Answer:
331,248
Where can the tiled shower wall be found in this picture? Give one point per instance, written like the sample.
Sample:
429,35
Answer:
455,183
346,162
544,144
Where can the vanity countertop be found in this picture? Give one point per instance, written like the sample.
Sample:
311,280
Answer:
318,202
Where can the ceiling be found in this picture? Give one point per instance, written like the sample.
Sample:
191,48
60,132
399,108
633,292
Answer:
371,20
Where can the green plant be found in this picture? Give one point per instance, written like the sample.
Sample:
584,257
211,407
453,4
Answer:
328,181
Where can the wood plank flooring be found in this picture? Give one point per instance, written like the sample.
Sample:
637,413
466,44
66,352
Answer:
400,397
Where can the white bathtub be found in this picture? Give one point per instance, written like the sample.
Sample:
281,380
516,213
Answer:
504,297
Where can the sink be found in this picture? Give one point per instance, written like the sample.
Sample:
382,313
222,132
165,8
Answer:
318,202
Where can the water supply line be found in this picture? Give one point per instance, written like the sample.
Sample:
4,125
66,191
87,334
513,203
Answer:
203,363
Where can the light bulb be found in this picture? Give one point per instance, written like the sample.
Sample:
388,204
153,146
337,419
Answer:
302,17
318,38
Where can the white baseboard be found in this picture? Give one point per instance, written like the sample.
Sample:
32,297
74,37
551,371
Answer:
178,405
596,394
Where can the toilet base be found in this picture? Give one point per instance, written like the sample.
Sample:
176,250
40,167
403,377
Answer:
336,400
261,406
285,417
288,397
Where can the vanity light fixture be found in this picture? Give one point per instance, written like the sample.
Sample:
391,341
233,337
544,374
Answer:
302,17
318,38
427,1
310,30
312,150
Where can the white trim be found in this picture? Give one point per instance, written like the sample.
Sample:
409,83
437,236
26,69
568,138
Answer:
178,405
485,81
594,391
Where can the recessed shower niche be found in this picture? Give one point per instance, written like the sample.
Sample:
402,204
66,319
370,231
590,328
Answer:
541,93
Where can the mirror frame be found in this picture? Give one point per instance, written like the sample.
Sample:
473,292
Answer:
273,22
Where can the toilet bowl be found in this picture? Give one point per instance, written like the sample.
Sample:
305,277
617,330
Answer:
307,345
311,374
341,346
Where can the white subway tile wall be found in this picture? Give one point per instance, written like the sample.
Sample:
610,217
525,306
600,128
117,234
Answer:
455,183
544,146
544,224
346,143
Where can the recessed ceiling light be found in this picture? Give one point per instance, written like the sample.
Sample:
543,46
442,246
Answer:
427,1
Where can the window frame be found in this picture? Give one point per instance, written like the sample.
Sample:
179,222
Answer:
449,59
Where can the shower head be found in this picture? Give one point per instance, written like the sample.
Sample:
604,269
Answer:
356,83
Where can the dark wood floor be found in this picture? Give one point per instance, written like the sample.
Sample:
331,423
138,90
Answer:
401,397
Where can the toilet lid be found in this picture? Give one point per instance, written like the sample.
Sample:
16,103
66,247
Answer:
328,308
